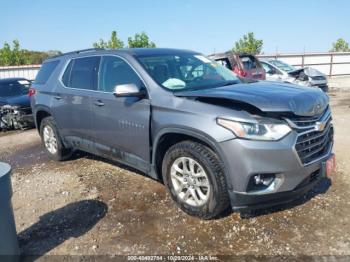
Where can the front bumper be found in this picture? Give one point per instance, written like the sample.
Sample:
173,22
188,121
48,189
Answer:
244,201
28,119
245,158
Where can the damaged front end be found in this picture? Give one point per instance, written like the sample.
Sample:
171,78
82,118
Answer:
309,77
15,117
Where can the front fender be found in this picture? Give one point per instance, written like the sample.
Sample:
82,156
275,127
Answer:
198,134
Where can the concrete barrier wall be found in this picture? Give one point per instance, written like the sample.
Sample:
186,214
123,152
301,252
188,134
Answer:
331,64
26,71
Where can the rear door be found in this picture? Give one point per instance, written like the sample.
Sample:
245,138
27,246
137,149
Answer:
252,67
72,106
121,124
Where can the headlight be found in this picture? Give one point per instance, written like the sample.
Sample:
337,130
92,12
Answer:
256,131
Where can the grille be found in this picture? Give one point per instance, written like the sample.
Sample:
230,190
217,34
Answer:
313,144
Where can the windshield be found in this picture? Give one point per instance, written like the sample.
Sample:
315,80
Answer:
283,66
181,72
15,88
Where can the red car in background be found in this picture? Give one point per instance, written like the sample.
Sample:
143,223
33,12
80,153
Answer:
244,65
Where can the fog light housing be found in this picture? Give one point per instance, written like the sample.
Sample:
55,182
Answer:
259,182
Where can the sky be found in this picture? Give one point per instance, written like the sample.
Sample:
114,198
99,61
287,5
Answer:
203,25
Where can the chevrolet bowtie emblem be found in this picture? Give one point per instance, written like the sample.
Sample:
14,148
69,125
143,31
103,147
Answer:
317,108
320,126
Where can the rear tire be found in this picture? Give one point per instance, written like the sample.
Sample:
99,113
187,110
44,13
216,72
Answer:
195,179
52,140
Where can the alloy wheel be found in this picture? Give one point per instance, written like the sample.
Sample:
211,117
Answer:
190,181
50,139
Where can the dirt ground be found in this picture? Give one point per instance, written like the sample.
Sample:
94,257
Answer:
90,206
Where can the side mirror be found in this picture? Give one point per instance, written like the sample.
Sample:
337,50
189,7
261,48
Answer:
128,90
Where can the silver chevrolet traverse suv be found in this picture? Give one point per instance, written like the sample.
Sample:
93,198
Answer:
215,140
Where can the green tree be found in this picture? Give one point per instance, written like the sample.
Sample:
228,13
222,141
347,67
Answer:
140,40
17,57
34,57
248,44
5,55
340,46
100,44
114,42
53,52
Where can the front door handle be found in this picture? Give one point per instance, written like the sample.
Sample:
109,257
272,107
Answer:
58,97
99,103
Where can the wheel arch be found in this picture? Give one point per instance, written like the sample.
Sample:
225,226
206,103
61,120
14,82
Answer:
40,113
170,136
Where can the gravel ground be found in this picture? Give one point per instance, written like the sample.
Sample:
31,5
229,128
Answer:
91,206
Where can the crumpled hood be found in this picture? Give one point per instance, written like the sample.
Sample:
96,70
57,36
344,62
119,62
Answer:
16,101
312,72
309,71
269,97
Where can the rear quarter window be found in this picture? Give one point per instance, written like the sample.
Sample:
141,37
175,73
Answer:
225,62
249,62
45,72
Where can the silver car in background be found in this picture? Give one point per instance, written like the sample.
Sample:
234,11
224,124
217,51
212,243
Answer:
277,70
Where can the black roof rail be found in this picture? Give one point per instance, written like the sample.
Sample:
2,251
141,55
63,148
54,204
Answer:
78,52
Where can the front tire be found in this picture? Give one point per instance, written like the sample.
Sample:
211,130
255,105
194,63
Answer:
194,176
52,141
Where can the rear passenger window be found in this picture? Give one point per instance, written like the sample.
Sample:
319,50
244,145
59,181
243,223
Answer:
249,62
45,72
81,73
225,62
115,71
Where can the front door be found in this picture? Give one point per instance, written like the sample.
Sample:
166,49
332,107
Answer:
121,124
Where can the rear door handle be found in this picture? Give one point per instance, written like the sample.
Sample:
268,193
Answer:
99,103
58,97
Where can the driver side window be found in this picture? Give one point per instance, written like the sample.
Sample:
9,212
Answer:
115,71
269,69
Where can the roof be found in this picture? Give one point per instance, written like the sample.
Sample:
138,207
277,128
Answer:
11,79
228,54
130,51
156,51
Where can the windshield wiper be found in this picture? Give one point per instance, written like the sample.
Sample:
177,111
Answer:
228,83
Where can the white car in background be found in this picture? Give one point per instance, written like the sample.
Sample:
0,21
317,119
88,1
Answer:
277,70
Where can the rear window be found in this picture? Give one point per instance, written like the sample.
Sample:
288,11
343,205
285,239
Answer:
45,72
15,88
81,73
249,62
